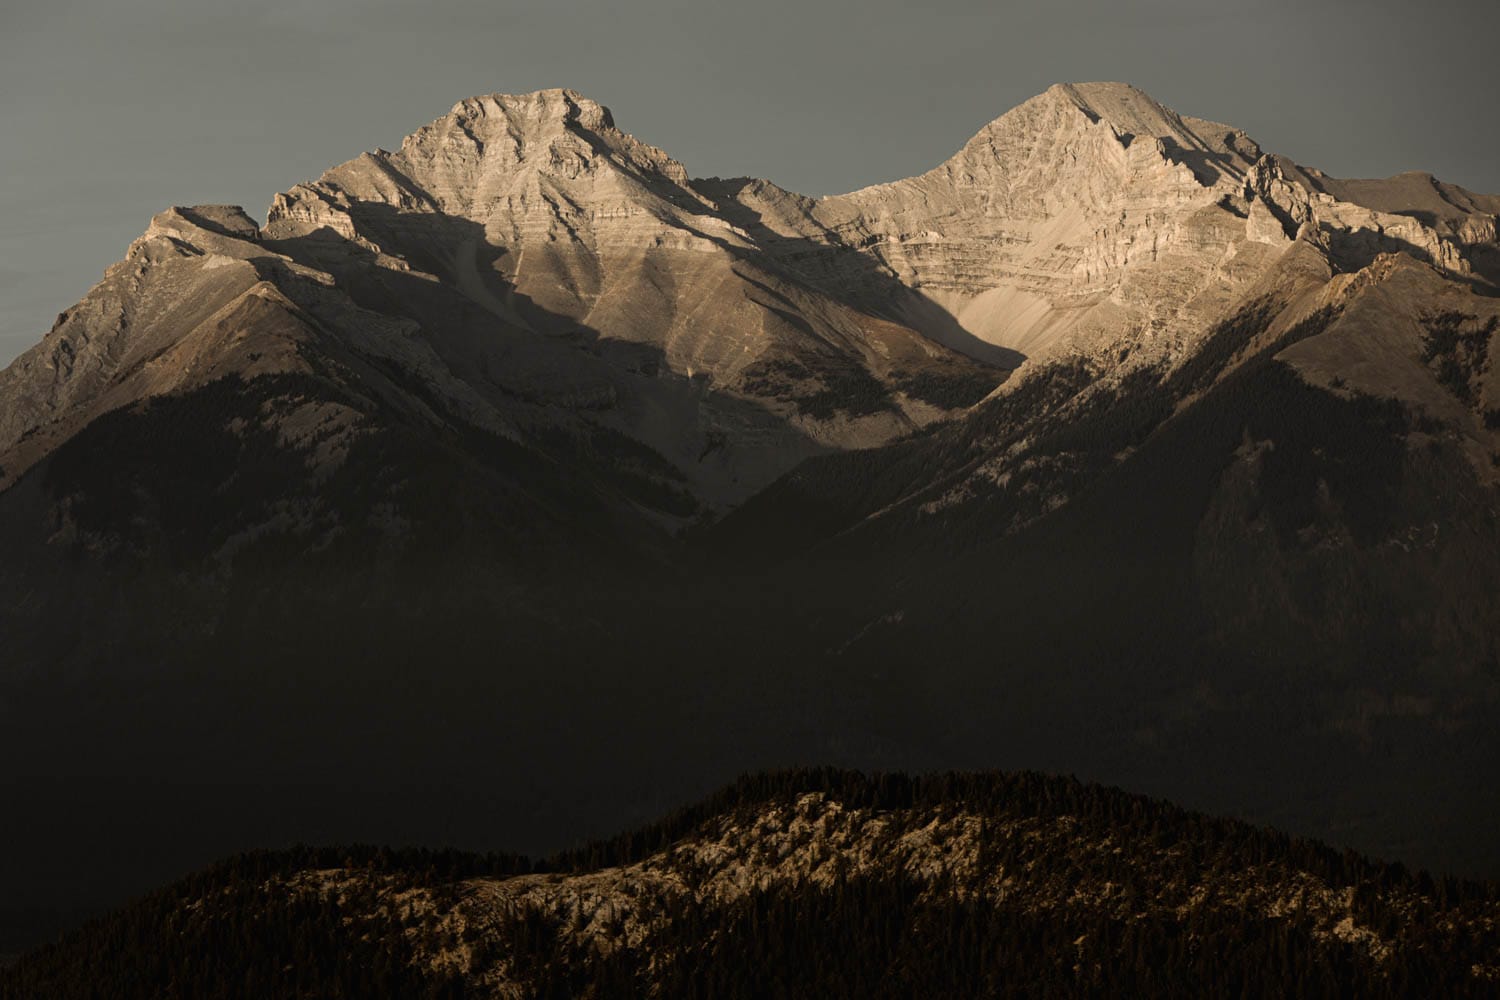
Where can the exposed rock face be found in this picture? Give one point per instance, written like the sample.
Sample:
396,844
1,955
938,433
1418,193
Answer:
1089,207
1092,217
518,252
732,326
559,224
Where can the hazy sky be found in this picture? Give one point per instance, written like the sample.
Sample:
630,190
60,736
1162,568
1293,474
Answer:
111,110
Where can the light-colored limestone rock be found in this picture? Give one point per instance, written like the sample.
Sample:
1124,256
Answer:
529,263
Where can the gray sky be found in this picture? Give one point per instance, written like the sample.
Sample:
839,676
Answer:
111,110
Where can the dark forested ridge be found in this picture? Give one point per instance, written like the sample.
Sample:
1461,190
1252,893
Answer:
811,883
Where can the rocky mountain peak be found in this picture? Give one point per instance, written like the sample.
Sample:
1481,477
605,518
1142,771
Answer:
1088,212
549,152
515,122
1134,112
1108,120
557,104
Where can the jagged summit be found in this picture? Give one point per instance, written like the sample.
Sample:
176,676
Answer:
1044,133
548,104
491,152
1134,112
519,123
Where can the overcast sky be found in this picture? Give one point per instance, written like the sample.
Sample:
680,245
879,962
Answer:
111,110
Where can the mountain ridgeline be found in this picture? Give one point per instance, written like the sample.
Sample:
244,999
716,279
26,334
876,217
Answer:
516,486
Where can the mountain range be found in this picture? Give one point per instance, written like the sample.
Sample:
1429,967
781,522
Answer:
516,486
